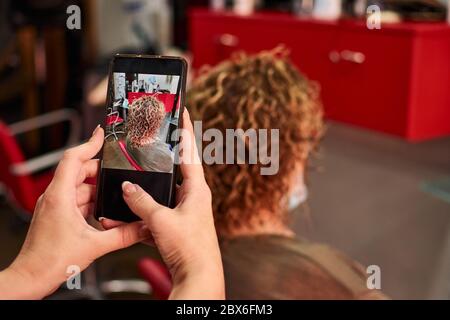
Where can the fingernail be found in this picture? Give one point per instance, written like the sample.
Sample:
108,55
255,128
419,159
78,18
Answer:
144,232
128,188
95,130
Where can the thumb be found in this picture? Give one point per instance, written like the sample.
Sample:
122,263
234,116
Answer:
139,201
123,236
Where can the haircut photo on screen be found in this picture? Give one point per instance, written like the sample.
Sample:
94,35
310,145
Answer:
140,121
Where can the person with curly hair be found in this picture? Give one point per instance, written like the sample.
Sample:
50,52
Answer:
145,118
262,256
141,148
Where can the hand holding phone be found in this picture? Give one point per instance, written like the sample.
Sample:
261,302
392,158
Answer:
60,240
185,236
59,236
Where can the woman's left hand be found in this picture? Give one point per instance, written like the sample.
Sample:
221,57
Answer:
59,237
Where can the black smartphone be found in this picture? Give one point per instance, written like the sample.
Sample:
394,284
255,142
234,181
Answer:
144,107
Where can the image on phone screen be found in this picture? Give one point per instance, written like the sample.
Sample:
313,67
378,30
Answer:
140,121
142,112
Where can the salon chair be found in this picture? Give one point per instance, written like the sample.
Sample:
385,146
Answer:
23,180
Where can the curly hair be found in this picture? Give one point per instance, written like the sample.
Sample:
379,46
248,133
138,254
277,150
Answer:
145,117
262,91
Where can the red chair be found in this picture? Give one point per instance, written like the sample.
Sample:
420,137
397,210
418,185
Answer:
112,121
24,180
157,276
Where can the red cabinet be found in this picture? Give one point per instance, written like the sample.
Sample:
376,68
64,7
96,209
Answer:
393,80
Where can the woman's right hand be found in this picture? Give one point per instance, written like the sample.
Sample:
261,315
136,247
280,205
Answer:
185,236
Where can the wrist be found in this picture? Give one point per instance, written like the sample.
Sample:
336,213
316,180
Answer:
27,279
15,285
200,281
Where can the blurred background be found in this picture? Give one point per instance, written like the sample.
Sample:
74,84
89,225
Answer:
380,188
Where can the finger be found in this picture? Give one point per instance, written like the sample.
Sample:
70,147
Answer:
190,165
87,209
89,169
140,202
69,167
122,236
89,149
85,194
179,193
109,224
149,242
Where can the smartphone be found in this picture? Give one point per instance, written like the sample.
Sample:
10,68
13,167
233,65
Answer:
144,107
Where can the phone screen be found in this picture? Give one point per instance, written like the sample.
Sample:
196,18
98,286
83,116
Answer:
143,109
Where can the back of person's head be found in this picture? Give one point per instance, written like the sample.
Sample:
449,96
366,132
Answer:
145,117
262,91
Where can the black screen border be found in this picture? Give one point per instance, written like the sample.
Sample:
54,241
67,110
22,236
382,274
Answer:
145,64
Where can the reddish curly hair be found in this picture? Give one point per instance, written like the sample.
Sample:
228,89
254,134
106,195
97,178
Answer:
145,117
262,91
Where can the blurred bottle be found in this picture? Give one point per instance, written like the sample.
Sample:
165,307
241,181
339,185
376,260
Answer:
360,8
327,9
217,5
303,8
244,7
448,11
